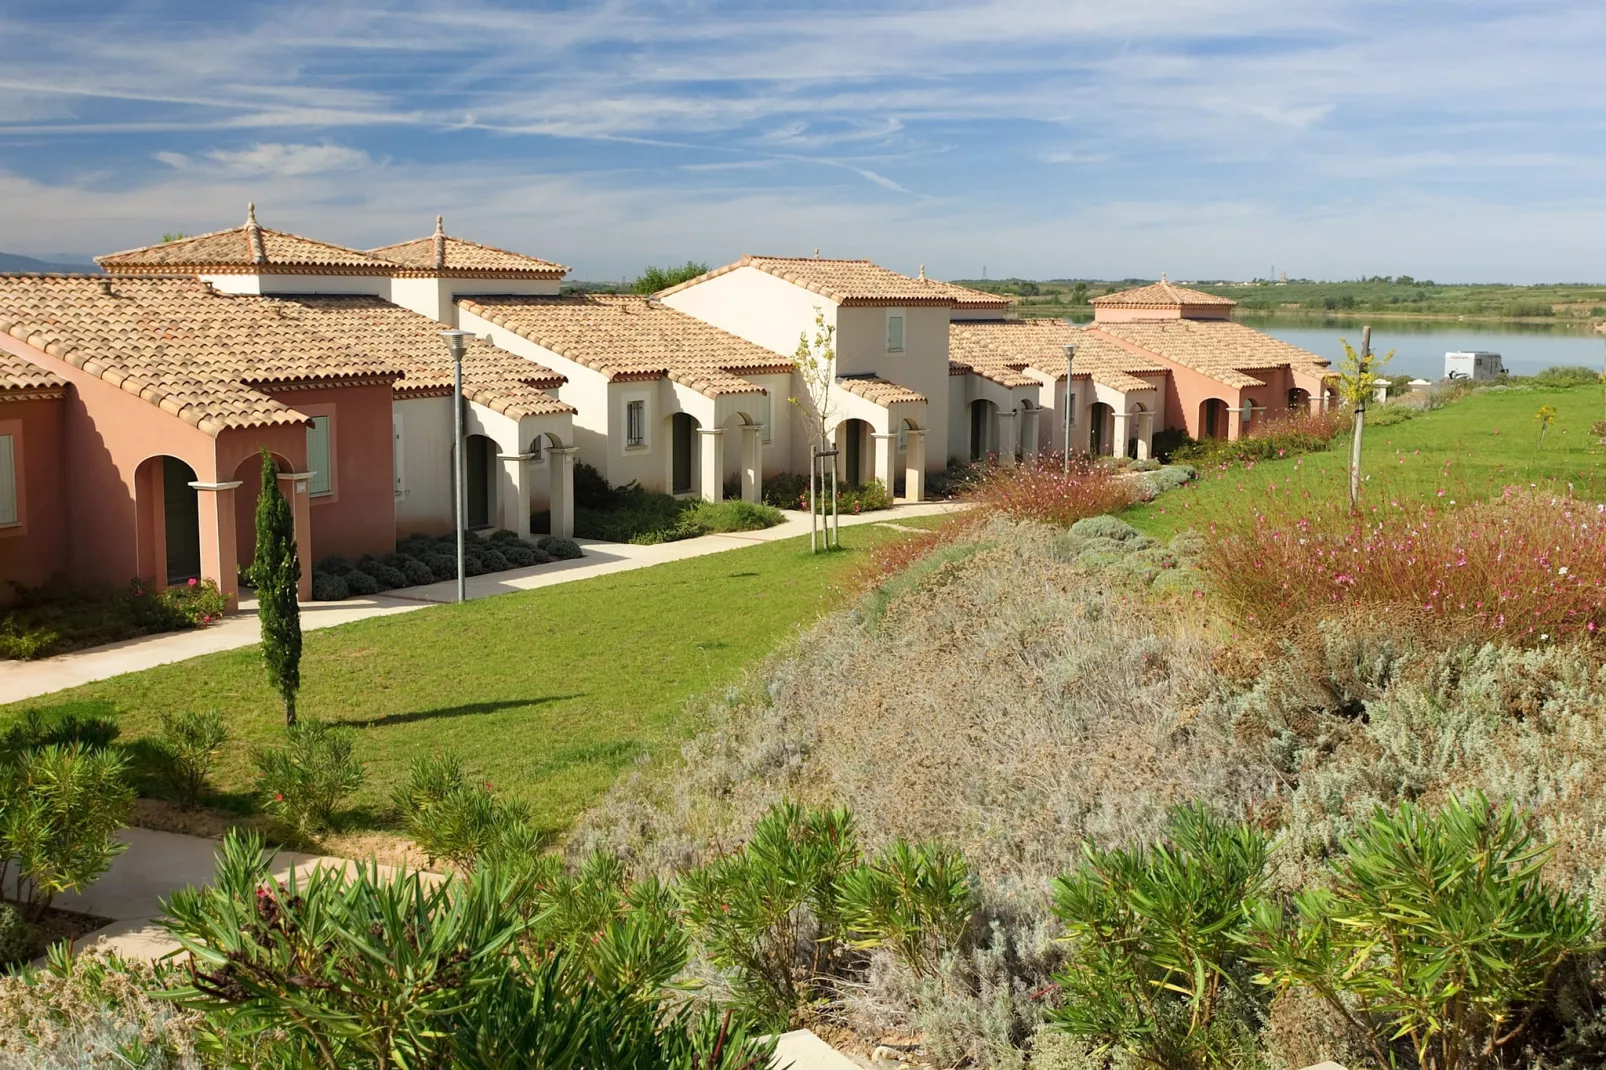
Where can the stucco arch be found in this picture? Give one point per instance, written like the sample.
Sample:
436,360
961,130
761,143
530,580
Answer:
167,534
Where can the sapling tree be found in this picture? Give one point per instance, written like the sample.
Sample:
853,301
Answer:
815,359
1545,417
1358,377
276,571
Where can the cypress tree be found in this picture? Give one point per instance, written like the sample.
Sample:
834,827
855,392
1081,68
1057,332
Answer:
276,571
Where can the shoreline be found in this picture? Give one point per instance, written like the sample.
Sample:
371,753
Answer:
1569,325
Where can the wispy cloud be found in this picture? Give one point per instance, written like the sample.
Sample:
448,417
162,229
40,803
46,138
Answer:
915,132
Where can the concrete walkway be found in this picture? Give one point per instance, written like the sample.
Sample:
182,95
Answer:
156,865
27,679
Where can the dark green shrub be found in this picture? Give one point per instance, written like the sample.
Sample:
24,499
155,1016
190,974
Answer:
561,548
416,572
63,616
1437,929
188,744
304,782
59,806
788,490
517,554
327,587
915,899
1563,377
335,566
16,937
453,817
771,912
360,583
493,560
1168,442
388,577
1155,966
442,566
473,564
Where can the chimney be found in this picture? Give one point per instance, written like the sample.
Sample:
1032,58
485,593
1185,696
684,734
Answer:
105,286
253,235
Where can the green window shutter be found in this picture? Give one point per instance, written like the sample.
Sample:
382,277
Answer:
894,332
768,435
396,453
8,482
318,458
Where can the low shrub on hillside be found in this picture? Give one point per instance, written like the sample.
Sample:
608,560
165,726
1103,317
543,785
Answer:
1525,567
1046,491
60,616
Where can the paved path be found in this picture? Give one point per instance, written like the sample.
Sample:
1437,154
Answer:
156,865
27,679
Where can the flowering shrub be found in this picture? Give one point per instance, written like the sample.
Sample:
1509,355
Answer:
304,782
1045,491
60,616
1526,566
1282,434
790,490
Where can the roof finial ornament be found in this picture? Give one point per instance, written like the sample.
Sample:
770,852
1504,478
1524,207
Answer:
922,273
816,252
1162,276
440,242
253,235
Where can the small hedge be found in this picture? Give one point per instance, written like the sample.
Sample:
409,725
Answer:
421,559
634,514
60,616
791,491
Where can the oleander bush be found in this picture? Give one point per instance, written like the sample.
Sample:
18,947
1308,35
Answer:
1281,434
60,805
634,514
187,747
304,782
62,616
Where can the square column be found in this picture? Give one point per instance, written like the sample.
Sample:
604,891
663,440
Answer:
1235,422
711,456
914,475
752,463
1118,435
886,460
1008,436
560,461
220,556
517,467
1029,431
293,485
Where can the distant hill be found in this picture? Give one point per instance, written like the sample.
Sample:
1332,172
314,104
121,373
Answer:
68,264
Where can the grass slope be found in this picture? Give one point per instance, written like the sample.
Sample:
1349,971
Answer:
1473,446
546,693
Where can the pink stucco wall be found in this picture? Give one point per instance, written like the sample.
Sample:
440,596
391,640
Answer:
35,549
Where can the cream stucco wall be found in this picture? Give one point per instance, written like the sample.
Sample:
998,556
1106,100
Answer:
377,285
757,306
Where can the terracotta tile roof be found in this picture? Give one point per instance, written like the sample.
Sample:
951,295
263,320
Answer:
881,391
247,249
502,381
18,376
442,254
1221,349
207,358
1162,294
628,337
1040,344
856,282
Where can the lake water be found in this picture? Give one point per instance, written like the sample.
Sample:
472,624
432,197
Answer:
1420,345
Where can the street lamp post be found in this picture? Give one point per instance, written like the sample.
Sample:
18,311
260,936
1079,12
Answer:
457,342
1070,355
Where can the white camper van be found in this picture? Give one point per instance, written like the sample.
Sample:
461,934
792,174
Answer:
1472,364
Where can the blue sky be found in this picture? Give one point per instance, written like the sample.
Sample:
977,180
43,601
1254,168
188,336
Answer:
1207,138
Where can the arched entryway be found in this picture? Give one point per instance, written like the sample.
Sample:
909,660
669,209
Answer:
1101,418
1298,400
168,515
983,420
854,454
479,482
1137,425
1213,418
682,453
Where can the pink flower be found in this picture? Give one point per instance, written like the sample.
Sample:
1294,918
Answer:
192,581
278,796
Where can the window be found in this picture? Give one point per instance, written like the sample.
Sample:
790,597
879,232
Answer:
768,434
894,334
318,457
396,453
635,424
8,482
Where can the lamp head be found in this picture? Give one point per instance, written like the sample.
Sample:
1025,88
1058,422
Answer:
457,342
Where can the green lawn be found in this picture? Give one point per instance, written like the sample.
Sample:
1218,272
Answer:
1474,446
546,693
